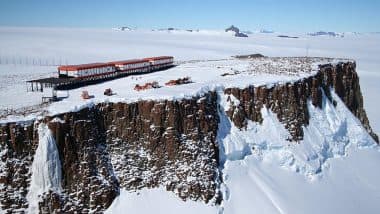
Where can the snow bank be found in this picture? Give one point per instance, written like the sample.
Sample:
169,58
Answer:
330,132
350,185
156,201
46,168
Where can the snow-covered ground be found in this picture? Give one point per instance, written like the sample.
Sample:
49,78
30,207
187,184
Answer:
333,170
156,201
205,76
29,47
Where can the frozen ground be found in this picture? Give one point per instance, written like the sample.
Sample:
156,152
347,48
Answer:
205,76
28,47
156,201
333,170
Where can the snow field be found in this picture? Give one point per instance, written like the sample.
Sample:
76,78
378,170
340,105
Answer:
101,45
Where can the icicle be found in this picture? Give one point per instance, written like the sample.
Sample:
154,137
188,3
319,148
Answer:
46,168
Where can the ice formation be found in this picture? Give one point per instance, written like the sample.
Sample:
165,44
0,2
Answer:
46,168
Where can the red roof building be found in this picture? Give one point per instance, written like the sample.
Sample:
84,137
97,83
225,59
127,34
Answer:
83,66
86,70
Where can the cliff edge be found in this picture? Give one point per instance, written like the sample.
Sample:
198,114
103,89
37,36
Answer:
166,142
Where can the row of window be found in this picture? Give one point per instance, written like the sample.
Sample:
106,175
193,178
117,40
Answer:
129,66
87,72
137,70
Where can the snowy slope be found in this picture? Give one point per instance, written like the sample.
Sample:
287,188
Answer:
330,171
350,185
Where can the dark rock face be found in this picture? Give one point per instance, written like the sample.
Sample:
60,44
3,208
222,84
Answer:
237,31
143,144
151,143
17,146
324,33
289,101
166,143
88,178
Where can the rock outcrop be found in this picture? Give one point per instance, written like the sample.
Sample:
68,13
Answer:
143,144
237,31
289,101
18,143
151,143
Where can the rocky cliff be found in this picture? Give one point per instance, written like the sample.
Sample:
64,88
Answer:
289,101
151,143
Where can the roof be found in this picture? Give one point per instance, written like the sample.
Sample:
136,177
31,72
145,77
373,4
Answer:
130,61
159,57
83,66
52,80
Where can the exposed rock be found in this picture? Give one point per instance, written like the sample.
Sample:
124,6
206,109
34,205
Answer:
143,144
232,28
324,33
289,37
123,28
249,56
17,145
289,101
170,142
237,31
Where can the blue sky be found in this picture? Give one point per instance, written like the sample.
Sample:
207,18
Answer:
280,15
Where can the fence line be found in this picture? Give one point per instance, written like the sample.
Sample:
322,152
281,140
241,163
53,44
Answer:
22,110
27,60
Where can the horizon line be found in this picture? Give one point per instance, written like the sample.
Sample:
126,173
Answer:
176,28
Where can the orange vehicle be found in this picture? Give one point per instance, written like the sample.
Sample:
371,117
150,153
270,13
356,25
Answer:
179,81
148,85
